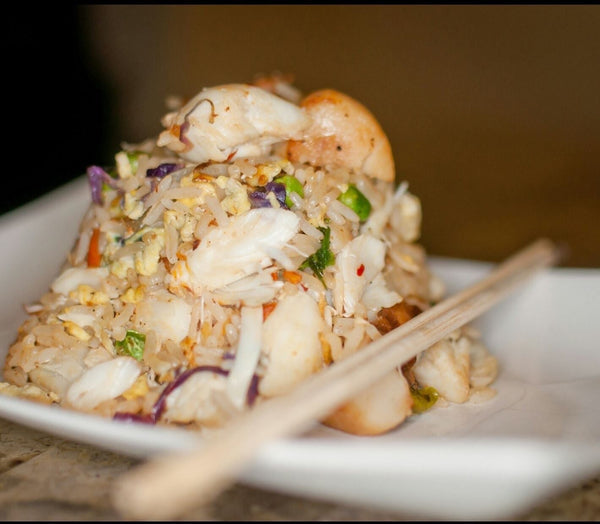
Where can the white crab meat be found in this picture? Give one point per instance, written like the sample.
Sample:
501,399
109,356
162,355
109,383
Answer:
168,315
81,317
377,295
54,369
194,400
406,216
358,263
241,248
247,355
70,279
446,367
484,366
103,382
231,119
291,343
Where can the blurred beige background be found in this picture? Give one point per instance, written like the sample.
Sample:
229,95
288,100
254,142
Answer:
493,111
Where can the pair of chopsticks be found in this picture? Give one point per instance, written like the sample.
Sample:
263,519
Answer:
171,484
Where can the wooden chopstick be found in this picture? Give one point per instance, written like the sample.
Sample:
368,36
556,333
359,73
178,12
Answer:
173,483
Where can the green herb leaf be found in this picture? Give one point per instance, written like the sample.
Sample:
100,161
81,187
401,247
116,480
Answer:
356,201
132,345
133,157
292,184
322,257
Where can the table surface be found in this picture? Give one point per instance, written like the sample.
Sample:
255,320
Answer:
46,478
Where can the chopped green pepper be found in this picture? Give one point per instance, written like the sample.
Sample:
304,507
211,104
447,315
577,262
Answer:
356,201
132,345
292,184
322,257
423,398
133,157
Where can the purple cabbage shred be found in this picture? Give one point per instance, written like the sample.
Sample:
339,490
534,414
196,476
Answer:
96,178
252,390
259,198
162,170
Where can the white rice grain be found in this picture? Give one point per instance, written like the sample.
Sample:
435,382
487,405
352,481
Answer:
153,214
216,209
171,240
335,217
343,210
310,230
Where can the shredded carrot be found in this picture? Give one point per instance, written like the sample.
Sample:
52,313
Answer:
268,309
292,276
94,258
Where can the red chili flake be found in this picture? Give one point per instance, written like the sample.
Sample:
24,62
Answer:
360,270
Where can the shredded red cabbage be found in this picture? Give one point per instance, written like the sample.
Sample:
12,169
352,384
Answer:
259,198
162,170
96,178
252,390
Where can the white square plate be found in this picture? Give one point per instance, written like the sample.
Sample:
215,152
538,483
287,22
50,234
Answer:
538,436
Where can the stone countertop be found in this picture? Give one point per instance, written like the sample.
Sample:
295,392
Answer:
46,478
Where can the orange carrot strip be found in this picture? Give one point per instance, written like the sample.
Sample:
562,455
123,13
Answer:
94,258
268,309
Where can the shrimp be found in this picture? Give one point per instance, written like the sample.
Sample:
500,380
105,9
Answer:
378,409
238,120
343,133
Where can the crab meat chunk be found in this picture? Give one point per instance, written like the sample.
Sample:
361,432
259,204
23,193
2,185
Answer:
168,315
446,367
290,340
358,263
103,382
70,279
231,119
243,247
194,400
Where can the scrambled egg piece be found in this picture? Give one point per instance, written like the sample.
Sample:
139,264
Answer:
192,180
88,296
146,261
236,199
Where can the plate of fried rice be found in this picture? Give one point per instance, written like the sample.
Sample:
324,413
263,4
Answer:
262,237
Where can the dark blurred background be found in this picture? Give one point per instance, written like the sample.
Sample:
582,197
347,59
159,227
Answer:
493,111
